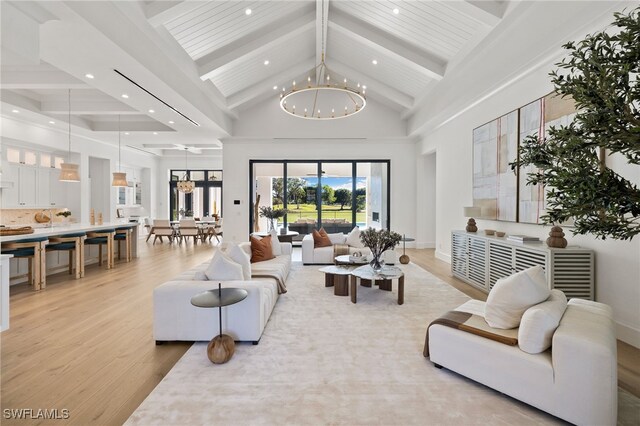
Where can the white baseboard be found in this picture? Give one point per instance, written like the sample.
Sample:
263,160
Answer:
628,334
425,245
443,256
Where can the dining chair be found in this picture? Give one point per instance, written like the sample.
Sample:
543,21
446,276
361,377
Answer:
162,228
189,228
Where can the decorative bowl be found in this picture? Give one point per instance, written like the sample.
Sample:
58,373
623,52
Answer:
489,231
500,234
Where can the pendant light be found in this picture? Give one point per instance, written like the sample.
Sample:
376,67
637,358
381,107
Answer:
69,171
119,178
185,185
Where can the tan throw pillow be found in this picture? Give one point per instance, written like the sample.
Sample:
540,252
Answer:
261,249
321,239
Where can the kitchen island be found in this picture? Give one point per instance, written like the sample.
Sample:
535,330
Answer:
53,261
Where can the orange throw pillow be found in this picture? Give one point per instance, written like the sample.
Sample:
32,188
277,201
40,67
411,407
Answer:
321,239
261,249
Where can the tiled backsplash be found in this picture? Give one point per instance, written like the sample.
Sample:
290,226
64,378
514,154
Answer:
12,217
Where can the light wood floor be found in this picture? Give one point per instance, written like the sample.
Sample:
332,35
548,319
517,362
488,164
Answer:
86,345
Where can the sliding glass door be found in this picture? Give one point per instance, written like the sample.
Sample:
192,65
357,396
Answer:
336,194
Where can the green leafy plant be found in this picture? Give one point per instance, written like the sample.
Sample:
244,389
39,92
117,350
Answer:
601,74
379,241
272,214
64,213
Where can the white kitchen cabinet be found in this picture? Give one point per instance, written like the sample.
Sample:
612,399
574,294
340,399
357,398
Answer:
44,183
28,186
57,190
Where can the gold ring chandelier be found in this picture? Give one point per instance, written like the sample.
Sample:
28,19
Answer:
323,99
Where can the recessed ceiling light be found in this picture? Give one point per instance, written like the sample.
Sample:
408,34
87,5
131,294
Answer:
126,133
266,62
396,11
124,95
89,76
374,62
52,122
151,111
15,111
247,11
171,121
275,87
364,87
155,133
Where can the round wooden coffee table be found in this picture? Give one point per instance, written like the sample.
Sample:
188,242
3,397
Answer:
384,278
337,277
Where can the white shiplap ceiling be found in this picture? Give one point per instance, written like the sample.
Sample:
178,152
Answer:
412,47
203,62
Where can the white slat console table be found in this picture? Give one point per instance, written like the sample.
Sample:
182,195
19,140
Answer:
481,260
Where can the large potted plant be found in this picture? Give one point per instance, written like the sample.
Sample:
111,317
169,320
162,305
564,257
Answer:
601,74
272,214
379,241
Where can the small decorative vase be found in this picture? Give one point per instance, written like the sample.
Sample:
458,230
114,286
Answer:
556,238
471,226
377,264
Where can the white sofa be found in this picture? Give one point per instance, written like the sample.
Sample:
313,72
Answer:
324,255
176,319
576,379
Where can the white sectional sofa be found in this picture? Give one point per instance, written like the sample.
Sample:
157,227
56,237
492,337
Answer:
324,255
175,319
576,379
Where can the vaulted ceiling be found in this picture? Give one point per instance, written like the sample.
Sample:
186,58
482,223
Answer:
180,72
411,42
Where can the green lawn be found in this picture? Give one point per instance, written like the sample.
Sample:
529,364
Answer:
308,211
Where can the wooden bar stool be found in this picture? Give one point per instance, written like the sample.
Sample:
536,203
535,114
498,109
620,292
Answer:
103,236
73,242
124,234
34,250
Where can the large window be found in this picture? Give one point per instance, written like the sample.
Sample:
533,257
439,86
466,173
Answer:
336,194
206,198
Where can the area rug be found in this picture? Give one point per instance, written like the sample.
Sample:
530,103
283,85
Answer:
324,360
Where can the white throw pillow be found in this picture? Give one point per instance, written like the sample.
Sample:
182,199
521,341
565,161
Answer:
513,295
353,238
276,247
222,268
540,321
338,238
238,255
200,276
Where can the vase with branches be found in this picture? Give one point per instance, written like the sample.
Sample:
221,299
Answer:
379,241
272,214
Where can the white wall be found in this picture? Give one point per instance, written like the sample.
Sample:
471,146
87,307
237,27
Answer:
99,178
426,200
237,154
617,262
